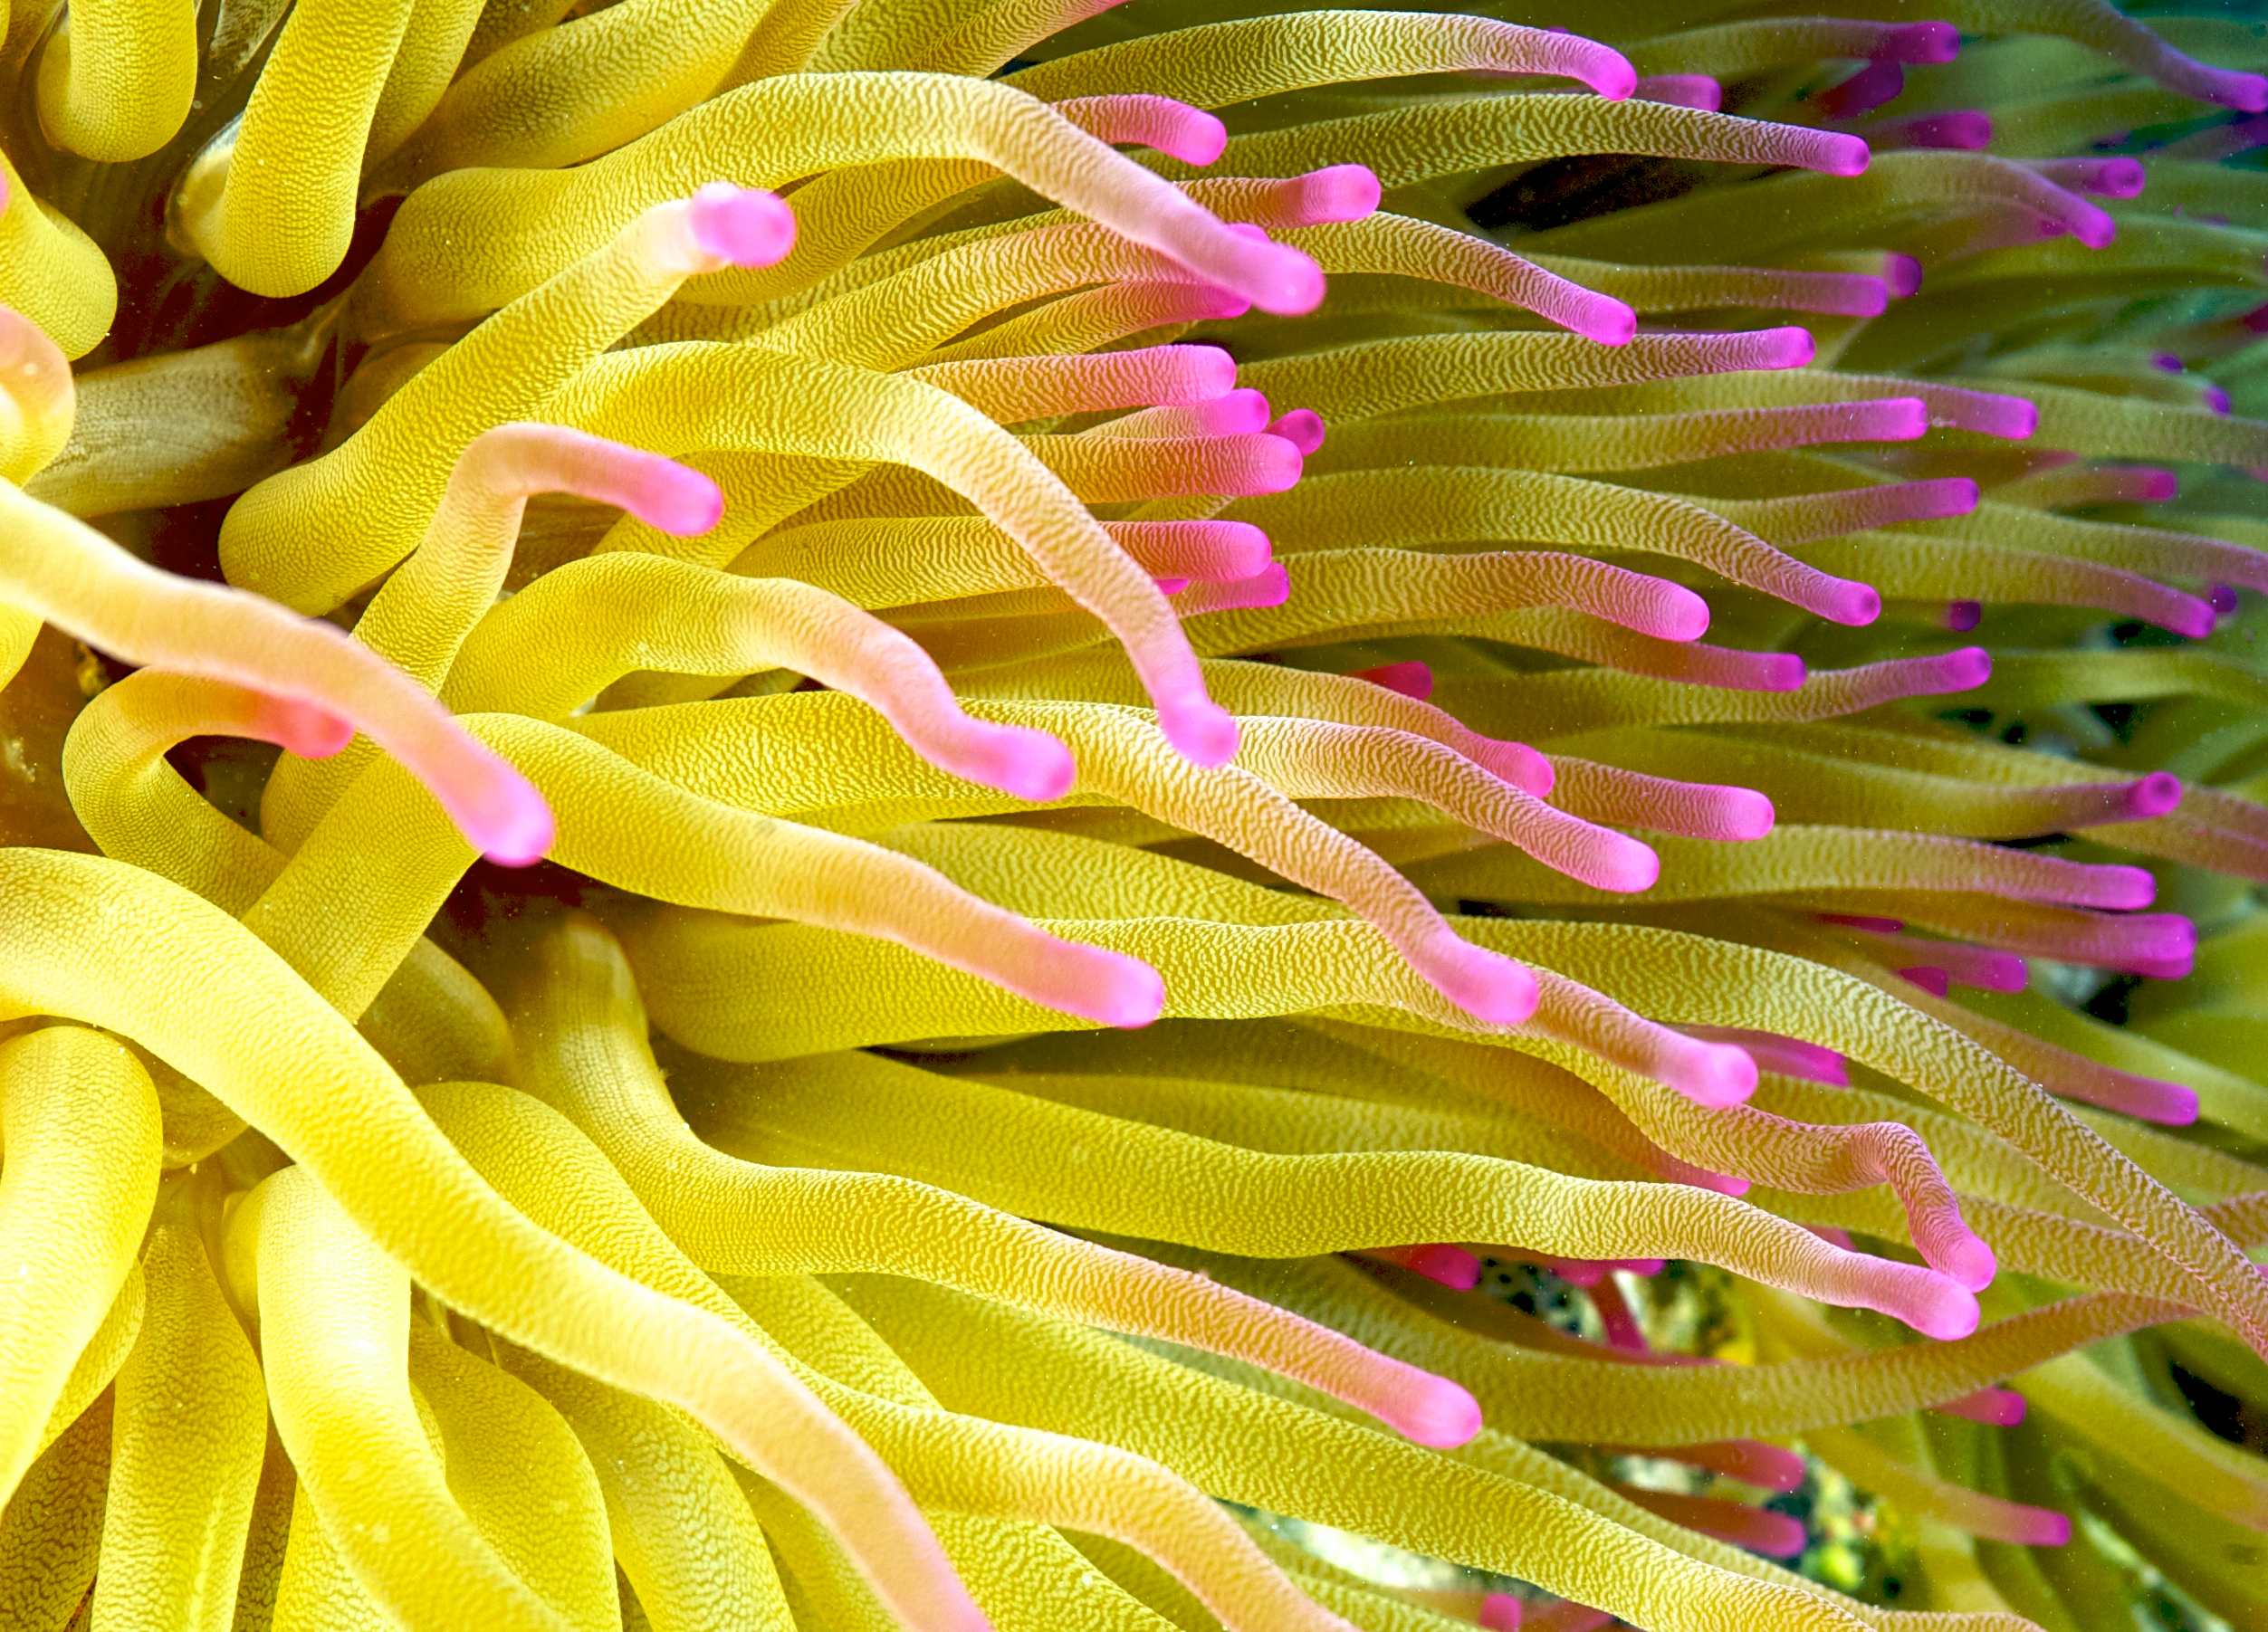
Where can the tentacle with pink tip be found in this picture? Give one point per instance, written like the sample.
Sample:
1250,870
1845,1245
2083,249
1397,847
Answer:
1804,518
1112,468
1239,413
1311,760
1805,1157
1789,1056
2160,944
1421,249
1335,593
1332,193
1418,142
1650,289
1015,388
1626,798
74,578
2099,177
597,619
1219,63
1573,444
1173,128
1776,1535
1600,698
1426,505
137,808
1966,964
1714,1074
1096,317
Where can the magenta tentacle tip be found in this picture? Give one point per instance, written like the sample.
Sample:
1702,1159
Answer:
1029,764
1337,192
1437,1412
1602,319
513,826
1302,428
1937,1305
1499,1612
1199,729
1620,863
1902,273
675,499
1412,680
1743,813
1937,982
1108,987
2154,795
746,226
1489,987
1716,1075
1784,347
2222,598
1918,42
1966,1260
1877,81
1171,586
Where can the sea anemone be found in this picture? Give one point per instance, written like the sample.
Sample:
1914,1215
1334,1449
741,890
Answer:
912,816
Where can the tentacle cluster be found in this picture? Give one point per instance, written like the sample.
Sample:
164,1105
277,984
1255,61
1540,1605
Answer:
1280,822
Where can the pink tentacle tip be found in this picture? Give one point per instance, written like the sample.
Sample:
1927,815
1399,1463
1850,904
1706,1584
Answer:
1934,1304
1862,92
2245,93
1935,981
1446,1265
1336,192
305,728
1414,680
1238,411
1302,428
1784,347
745,226
1198,729
1740,815
1278,278
673,498
1270,587
1867,926
1485,985
1996,1407
1499,1612
2223,600
1903,274
1097,984
1917,42
1433,1411
1516,763
1681,90
1964,1258
2153,795
503,817
2011,418
1600,317
1848,602
1714,1074
1169,587
1612,860
1961,616
1017,760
